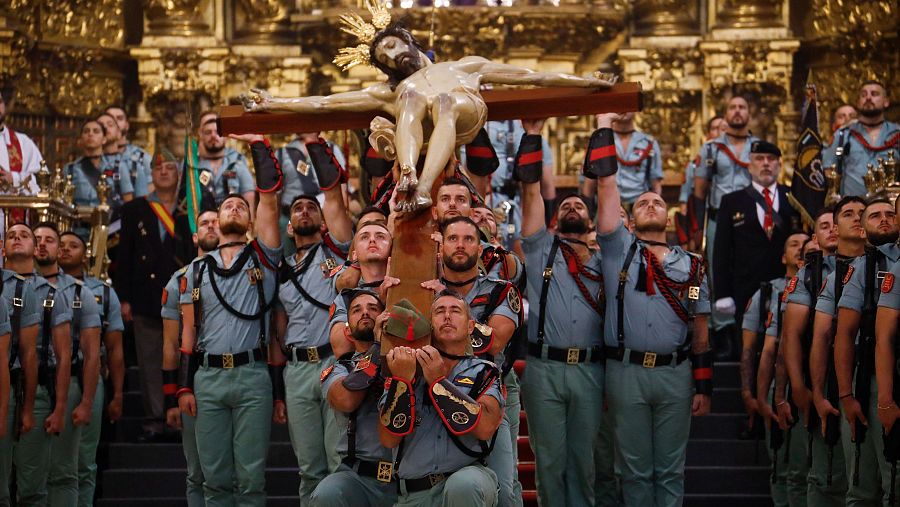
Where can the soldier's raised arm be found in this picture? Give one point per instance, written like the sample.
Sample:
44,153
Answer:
528,169
268,182
331,176
600,164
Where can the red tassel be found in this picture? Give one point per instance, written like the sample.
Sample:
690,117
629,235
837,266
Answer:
573,265
409,331
651,278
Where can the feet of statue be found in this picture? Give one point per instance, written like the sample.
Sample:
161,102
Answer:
408,180
256,100
417,202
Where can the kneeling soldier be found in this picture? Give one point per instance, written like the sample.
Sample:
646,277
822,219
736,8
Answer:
352,387
442,423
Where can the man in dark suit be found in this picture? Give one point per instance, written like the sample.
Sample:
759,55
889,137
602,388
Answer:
155,242
753,224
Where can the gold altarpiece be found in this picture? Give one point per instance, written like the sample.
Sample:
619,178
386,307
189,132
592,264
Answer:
164,59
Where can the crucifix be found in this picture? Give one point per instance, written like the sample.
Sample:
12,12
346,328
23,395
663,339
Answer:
435,108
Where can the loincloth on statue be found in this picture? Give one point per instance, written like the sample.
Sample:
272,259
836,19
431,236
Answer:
480,108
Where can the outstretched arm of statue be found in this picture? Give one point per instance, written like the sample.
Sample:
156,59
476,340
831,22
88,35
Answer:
502,73
373,98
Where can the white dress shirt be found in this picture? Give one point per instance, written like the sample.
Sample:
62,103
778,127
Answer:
760,210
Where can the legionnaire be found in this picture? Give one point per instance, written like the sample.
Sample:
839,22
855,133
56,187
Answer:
207,239
690,225
62,482
223,379
650,389
137,161
563,389
352,387
86,170
367,270
825,393
639,159
496,307
843,115
756,382
504,191
223,170
112,367
20,158
887,319
305,295
854,354
722,170
114,166
441,423
858,145
23,315
48,384
155,242
798,305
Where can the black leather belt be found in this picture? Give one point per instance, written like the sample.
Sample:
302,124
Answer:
382,471
569,356
645,359
229,361
309,354
423,483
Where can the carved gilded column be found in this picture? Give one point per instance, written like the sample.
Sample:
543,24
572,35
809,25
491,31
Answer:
662,54
749,50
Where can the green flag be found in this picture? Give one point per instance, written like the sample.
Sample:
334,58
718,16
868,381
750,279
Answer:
192,180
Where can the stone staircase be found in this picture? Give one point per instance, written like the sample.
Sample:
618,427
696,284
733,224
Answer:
721,470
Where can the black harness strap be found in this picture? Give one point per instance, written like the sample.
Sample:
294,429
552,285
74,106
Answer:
298,271
76,323
545,286
105,308
47,326
16,321
620,297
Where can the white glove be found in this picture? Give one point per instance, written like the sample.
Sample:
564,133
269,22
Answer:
725,306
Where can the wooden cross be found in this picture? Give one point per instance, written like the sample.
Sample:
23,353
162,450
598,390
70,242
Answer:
414,253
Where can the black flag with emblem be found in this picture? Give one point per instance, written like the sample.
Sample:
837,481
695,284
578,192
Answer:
808,186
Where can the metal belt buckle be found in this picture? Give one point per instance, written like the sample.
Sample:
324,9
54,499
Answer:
649,360
548,272
435,479
18,302
572,356
385,471
312,354
694,293
228,361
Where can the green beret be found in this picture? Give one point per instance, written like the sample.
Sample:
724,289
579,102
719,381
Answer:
406,322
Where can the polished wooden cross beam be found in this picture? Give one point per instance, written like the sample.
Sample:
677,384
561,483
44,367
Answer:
512,104
414,253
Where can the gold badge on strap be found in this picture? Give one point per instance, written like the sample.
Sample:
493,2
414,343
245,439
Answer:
205,177
694,293
302,167
514,301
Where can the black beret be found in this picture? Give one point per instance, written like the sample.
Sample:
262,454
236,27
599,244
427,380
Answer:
765,147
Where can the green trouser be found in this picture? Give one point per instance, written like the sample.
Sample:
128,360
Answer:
62,481
564,405
346,488
797,468
234,420
87,450
31,455
819,492
606,483
469,486
311,424
502,463
651,410
6,450
512,413
194,480
873,488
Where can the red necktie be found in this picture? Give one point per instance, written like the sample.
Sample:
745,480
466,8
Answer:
769,220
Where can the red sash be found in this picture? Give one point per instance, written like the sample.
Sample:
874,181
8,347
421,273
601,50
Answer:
890,143
724,147
14,152
635,163
165,218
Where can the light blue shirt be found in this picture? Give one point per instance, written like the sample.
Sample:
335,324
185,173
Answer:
857,157
296,183
752,312
234,176
635,180
729,176
86,193
137,165
890,289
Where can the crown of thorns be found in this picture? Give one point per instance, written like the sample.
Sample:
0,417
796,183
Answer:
365,32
